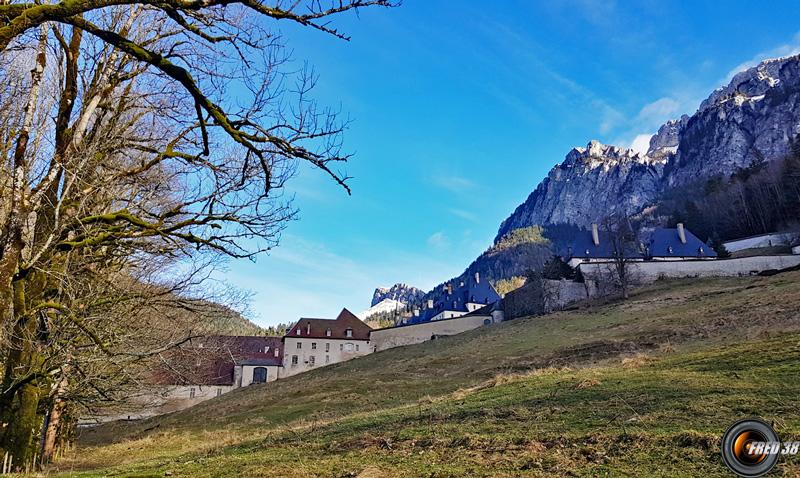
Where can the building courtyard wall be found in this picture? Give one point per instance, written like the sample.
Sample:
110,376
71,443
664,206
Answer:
383,339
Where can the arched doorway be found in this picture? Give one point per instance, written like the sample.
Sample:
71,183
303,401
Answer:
259,375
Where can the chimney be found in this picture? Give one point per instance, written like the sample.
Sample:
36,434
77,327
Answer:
681,233
595,235
477,277
430,303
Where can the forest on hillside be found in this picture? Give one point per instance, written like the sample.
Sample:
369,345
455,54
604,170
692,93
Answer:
761,198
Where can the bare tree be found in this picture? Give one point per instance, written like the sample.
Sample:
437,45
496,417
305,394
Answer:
625,250
144,142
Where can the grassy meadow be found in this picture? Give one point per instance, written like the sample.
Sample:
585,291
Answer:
643,387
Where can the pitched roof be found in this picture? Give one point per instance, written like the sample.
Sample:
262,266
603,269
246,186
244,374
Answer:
331,328
665,242
583,246
661,242
448,297
211,360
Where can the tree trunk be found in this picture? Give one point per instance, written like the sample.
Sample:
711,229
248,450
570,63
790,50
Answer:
54,422
13,244
21,392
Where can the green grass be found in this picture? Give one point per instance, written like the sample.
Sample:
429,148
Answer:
641,388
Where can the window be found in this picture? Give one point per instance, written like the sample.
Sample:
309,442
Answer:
348,347
311,360
341,347
297,332
294,359
191,393
356,347
348,333
669,250
313,346
328,347
308,329
299,345
328,333
259,375
277,352
327,359
219,392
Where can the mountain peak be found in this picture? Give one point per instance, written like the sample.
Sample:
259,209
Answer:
597,154
399,292
752,118
752,84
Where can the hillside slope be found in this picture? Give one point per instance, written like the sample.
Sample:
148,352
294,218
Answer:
651,384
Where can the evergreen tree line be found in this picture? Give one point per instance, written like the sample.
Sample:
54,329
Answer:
761,198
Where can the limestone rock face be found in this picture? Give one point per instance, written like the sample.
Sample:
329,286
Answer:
398,292
751,119
591,183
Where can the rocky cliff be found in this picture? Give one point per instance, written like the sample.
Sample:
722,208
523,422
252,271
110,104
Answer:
398,292
591,183
751,119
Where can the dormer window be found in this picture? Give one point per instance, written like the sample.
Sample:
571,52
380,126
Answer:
348,333
669,250
587,252
277,353
297,332
702,251
327,332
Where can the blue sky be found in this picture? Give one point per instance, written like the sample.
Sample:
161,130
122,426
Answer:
461,107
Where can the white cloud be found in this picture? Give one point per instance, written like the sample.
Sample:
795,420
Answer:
787,49
641,143
658,112
463,214
453,183
438,240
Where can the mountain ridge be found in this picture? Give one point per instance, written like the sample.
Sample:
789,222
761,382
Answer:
399,292
749,120
752,118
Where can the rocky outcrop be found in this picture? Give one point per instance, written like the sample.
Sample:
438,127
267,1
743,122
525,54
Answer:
591,183
749,120
398,292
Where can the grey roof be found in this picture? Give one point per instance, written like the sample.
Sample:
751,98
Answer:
584,247
470,292
665,242
661,242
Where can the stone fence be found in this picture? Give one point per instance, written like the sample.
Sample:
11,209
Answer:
541,297
650,271
382,339
764,240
